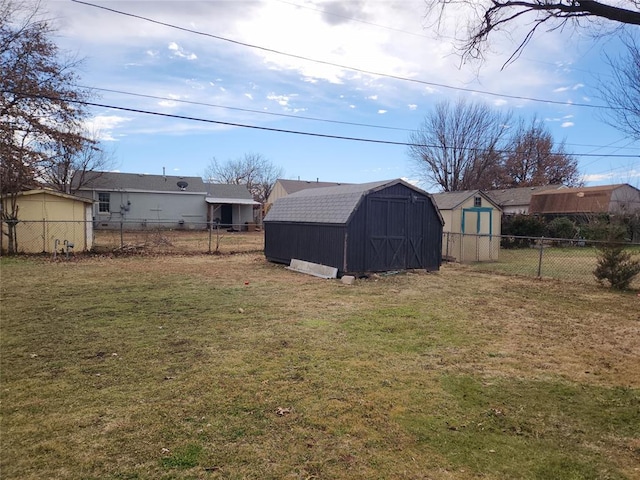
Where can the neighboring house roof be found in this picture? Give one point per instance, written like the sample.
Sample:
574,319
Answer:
452,200
521,196
598,199
231,194
138,182
293,186
333,204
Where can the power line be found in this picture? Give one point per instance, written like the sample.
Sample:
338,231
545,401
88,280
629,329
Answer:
324,62
280,130
297,117
302,117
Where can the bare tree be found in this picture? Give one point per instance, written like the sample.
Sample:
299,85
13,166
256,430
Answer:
531,159
457,146
488,17
66,170
40,103
622,91
253,170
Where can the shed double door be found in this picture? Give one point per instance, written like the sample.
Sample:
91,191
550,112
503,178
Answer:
394,234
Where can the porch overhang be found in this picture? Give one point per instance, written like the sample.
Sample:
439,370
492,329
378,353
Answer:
231,201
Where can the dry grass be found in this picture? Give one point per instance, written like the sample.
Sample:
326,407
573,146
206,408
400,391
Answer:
230,367
162,241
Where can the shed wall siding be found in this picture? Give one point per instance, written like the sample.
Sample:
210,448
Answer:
315,243
45,218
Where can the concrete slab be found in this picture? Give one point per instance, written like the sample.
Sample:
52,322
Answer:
348,279
315,269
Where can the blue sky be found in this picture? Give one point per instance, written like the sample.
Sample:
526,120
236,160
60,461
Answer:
175,73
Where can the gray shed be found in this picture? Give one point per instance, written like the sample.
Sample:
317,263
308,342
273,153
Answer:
370,227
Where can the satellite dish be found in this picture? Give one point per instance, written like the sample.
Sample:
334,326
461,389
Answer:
182,185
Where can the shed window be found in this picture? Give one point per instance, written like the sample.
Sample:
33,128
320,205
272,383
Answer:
104,202
477,202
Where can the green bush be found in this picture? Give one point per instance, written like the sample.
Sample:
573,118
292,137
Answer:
520,226
561,227
616,266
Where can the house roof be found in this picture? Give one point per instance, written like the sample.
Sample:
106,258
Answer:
452,200
138,182
521,196
333,204
575,200
293,186
227,193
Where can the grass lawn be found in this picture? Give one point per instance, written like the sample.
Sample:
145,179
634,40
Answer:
229,367
575,264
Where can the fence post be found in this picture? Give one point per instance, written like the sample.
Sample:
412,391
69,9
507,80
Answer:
447,246
121,234
210,233
540,257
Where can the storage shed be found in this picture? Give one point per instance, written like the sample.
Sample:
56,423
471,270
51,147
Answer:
370,227
472,222
50,220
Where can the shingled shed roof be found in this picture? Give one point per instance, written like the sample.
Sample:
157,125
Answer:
510,197
452,200
596,199
326,205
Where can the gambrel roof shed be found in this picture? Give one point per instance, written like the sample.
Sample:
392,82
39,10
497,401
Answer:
369,227
618,198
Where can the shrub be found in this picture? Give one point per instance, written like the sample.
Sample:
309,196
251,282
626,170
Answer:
561,227
616,265
520,226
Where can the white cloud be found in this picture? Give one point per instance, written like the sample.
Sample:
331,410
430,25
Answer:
412,106
249,96
567,124
382,111
179,52
372,97
104,125
612,177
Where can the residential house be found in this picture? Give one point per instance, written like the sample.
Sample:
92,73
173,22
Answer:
164,201
515,201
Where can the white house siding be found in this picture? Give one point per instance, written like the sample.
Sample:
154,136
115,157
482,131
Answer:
152,209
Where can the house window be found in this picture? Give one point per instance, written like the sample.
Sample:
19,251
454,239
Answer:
104,203
477,202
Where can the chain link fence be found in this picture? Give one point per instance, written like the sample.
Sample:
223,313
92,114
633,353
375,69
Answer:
564,259
66,237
